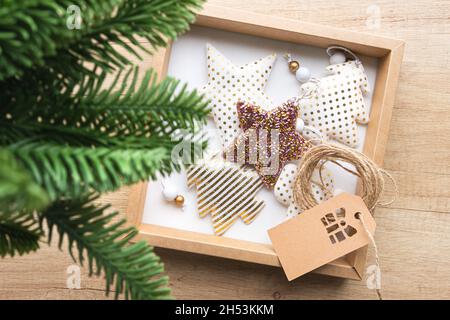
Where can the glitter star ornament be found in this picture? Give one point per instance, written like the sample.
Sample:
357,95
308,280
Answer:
228,83
285,183
226,192
270,139
335,104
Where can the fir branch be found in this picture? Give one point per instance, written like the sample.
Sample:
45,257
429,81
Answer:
156,21
19,234
131,267
103,126
34,33
61,132
73,171
139,109
18,191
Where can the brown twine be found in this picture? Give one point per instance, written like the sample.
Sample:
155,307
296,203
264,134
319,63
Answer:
377,258
371,176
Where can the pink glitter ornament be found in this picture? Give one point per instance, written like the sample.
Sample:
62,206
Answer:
270,139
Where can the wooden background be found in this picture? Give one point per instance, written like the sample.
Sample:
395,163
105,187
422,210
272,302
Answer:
413,234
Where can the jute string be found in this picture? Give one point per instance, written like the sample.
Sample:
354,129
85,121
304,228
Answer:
372,179
377,258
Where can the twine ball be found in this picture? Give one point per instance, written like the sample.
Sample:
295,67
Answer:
371,176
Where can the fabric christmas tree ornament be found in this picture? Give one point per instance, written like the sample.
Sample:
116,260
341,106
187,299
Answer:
335,104
226,192
228,83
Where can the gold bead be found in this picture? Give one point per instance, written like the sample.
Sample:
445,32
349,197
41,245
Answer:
179,200
293,66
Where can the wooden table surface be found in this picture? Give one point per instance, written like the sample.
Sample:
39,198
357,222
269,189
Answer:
413,234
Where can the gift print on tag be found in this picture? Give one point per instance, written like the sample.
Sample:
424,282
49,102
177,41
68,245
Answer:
337,227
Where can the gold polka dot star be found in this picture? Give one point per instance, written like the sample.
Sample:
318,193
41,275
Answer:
228,83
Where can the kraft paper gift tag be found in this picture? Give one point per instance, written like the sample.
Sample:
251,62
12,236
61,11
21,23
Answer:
321,234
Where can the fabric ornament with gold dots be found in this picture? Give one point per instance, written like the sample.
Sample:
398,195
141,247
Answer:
228,83
335,104
322,187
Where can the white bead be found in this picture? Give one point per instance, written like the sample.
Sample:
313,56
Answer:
169,192
303,74
337,58
300,125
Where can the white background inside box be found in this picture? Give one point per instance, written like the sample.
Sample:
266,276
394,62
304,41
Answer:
188,63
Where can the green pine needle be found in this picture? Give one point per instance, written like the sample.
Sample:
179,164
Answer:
35,33
19,234
98,139
65,132
104,246
17,191
136,108
71,171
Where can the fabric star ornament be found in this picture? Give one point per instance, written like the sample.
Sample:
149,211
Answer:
283,189
335,104
228,83
270,139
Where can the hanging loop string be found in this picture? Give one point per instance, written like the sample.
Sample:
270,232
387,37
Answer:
348,51
311,92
